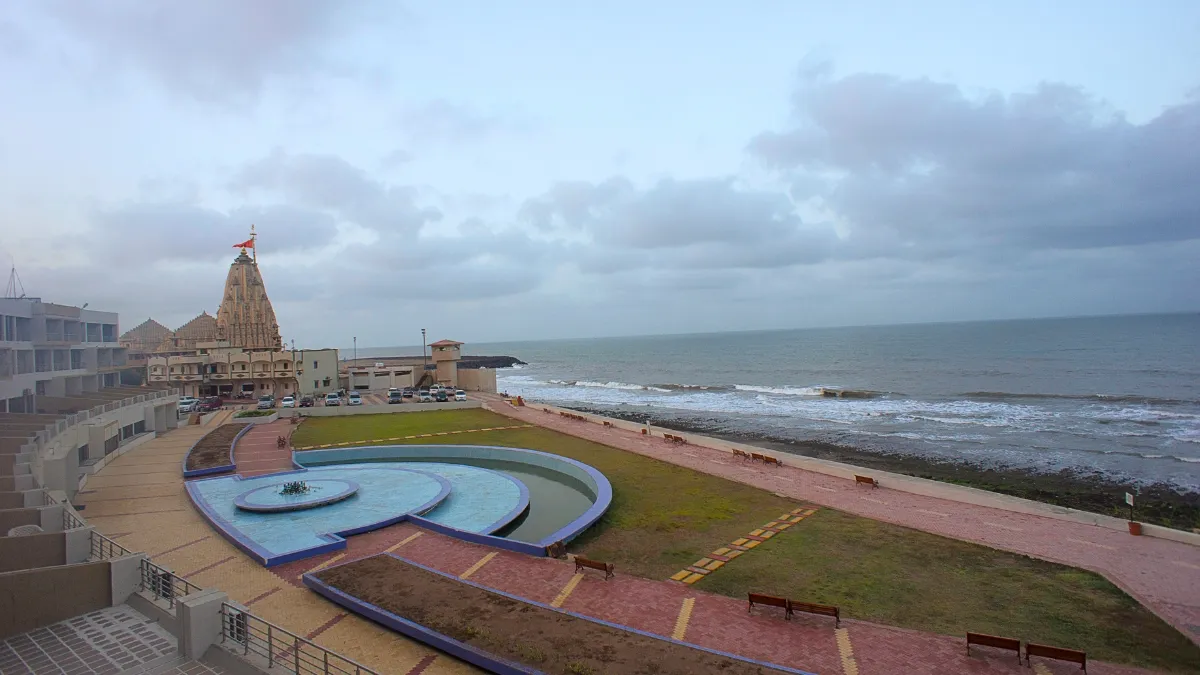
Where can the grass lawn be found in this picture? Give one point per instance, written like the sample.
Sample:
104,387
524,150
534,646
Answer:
664,517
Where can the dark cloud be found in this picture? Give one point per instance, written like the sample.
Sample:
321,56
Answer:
334,185
217,50
917,169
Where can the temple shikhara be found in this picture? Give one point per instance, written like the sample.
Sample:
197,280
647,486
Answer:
237,353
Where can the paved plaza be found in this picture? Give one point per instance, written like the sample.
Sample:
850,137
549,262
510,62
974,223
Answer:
139,500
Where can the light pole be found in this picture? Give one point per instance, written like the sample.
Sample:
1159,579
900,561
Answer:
350,371
424,358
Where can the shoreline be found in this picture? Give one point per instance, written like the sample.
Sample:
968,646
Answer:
1158,503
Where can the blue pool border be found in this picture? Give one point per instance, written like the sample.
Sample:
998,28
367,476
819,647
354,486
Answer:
474,655
564,534
335,541
209,471
241,503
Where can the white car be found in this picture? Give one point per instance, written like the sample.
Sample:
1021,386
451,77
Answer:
188,404
288,402
355,399
460,395
332,399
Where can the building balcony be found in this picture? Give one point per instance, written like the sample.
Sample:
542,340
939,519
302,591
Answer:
218,376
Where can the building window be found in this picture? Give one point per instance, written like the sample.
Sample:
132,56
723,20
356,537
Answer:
327,382
243,366
316,384
315,365
39,388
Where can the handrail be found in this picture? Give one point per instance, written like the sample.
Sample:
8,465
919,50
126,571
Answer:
104,548
164,585
282,648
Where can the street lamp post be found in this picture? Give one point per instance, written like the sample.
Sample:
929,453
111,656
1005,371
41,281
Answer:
424,357
350,371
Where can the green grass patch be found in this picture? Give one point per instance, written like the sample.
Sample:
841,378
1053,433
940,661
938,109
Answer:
664,517
255,413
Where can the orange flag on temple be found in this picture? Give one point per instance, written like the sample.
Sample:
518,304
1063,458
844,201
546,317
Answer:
249,243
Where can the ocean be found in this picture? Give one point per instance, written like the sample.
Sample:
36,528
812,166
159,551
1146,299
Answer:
1115,395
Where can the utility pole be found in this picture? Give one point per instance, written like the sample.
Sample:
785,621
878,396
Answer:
424,358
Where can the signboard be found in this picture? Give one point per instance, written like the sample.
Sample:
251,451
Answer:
1129,499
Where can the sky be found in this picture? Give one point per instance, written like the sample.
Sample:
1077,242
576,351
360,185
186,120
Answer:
537,170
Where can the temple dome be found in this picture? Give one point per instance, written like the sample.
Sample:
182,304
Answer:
246,318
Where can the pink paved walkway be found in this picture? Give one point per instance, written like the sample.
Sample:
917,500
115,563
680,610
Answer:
717,622
1163,575
256,453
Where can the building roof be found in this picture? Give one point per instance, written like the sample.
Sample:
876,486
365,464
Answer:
203,328
145,336
445,343
246,318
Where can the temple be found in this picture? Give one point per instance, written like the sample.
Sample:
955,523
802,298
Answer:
236,354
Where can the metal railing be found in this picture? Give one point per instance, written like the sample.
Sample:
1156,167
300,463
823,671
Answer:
281,648
56,428
72,522
104,548
164,585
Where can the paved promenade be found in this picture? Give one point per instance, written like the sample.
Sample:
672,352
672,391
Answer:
138,499
1163,575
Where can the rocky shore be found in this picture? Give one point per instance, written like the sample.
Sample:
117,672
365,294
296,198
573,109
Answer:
1159,503
464,362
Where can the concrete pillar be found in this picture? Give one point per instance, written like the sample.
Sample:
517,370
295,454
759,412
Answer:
199,621
79,545
125,577
51,518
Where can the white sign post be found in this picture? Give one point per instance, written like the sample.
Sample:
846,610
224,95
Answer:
1129,501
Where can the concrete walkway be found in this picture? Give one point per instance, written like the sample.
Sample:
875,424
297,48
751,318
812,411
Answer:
138,499
1162,575
686,613
258,452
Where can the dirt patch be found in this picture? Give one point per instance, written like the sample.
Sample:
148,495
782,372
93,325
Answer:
546,640
213,450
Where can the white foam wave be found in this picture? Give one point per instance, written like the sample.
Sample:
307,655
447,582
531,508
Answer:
1189,460
782,391
609,385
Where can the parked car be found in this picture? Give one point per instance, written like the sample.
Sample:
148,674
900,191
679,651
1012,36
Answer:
354,399
395,396
187,404
288,402
441,396
409,392
332,399
460,395
306,402
209,404
266,402
423,396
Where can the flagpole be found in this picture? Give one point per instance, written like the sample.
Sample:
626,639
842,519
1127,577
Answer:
254,243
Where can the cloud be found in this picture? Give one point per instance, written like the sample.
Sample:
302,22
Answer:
442,120
917,169
332,184
216,50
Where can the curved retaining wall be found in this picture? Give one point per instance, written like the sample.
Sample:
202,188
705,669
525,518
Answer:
225,468
589,477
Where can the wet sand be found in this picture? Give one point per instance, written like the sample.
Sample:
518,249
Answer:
1159,504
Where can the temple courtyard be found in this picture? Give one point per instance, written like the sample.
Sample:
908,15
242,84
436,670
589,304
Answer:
690,531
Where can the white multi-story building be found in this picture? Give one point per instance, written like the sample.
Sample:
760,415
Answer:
62,406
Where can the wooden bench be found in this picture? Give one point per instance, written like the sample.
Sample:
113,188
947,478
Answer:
770,601
608,424
996,641
866,480
823,610
767,459
674,439
1059,653
548,410
756,457
740,453
607,568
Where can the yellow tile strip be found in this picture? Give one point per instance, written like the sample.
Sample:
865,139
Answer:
707,565
846,651
323,565
408,438
566,591
685,615
396,546
475,568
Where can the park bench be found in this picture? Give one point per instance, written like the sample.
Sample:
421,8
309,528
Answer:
986,640
767,459
756,457
770,601
607,568
548,410
607,423
1059,653
741,453
823,610
866,480
674,439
